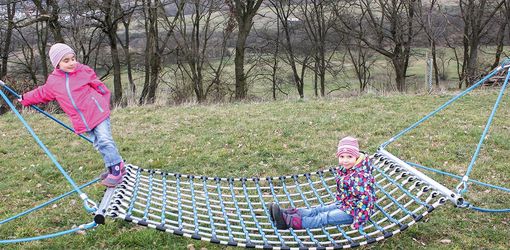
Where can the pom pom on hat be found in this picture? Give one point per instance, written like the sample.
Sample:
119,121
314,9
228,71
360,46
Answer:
58,51
348,145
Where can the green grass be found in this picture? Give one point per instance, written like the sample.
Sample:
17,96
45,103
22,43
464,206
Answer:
258,139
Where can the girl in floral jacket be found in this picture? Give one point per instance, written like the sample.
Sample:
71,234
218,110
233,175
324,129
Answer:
354,200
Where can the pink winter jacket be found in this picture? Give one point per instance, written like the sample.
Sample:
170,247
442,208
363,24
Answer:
82,96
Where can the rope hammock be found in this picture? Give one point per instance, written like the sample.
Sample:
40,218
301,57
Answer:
234,212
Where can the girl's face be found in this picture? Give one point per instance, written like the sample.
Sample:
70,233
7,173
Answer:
68,63
346,160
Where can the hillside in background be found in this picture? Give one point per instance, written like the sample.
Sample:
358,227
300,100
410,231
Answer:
259,139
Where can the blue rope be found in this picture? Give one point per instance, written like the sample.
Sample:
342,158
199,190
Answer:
485,210
135,192
463,93
324,231
305,200
179,200
459,177
163,208
275,199
220,197
208,204
82,195
402,189
241,220
257,224
45,113
193,205
291,202
53,235
266,211
149,195
484,134
47,203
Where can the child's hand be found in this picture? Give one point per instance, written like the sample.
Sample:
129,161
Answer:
20,98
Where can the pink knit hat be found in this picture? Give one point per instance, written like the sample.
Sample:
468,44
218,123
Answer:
348,145
57,51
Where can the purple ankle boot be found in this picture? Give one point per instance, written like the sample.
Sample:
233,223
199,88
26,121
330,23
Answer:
114,178
289,218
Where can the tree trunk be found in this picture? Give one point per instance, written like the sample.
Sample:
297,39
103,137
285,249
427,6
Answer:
244,11
11,10
117,83
241,88
400,74
434,63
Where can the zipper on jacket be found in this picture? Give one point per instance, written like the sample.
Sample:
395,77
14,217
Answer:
74,104
97,104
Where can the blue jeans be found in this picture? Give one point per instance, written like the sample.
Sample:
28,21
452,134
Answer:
323,215
102,139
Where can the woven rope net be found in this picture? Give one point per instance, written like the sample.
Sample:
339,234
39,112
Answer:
234,211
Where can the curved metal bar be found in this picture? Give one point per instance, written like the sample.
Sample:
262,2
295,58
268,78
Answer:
53,235
47,203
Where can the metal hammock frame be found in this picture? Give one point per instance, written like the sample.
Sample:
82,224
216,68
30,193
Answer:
233,211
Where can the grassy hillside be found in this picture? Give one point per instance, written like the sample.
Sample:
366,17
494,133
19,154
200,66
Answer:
258,139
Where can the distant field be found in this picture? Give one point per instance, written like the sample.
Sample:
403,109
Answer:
259,139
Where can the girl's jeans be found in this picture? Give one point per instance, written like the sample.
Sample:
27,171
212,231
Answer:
323,215
101,135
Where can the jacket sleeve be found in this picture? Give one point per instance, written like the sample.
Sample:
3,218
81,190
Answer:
97,84
41,94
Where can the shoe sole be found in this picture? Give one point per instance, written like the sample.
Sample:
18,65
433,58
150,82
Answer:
278,217
113,183
103,175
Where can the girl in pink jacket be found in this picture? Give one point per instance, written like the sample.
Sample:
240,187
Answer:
86,100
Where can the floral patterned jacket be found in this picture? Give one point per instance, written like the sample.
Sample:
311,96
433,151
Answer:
356,190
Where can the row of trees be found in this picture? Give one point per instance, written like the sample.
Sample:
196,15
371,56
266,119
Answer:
188,45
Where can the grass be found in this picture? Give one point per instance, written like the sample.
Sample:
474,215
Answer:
258,139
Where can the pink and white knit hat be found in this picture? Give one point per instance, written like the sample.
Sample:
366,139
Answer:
348,145
57,51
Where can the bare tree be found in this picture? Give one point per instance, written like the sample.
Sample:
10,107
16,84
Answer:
49,11
362,60
272,63
10,7
126,46
386,26
243,12
477,15
285,13
501,21
433,25
193,42
110,13
154,10
319,19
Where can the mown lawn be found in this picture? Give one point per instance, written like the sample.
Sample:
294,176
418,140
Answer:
258,139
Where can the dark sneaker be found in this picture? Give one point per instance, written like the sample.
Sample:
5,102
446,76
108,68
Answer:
270,208
278,217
